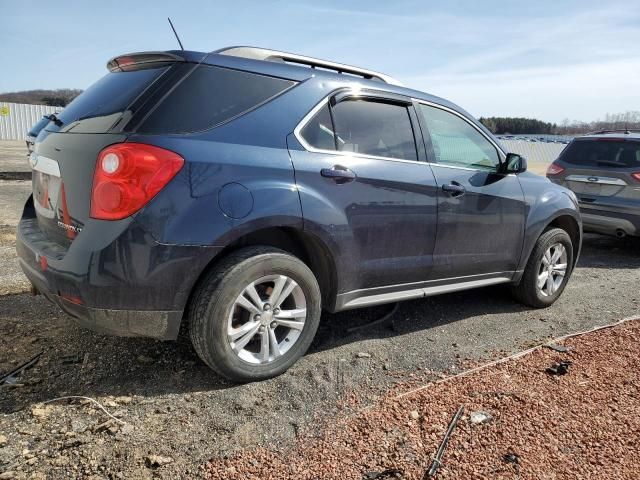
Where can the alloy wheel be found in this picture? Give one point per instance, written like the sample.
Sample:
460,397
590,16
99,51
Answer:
553,268
266,319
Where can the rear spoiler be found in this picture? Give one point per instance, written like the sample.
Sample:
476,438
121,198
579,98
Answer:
136,61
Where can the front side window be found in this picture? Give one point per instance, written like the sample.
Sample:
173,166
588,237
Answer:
455,142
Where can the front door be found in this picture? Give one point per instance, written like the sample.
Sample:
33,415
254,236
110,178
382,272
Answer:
480,211
365,188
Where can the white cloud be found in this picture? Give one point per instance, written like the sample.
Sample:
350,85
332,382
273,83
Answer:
585,92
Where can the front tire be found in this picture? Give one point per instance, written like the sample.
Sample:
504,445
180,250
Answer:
548,270
255,314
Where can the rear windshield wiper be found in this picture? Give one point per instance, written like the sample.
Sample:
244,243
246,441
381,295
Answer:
55,119
610,163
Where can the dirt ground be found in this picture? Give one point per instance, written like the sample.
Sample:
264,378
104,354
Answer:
519,422
174,407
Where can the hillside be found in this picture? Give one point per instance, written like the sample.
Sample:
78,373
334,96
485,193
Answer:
56,98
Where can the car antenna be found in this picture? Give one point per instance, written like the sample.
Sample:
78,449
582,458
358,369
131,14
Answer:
175,33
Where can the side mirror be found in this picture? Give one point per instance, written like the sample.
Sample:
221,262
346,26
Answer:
515,163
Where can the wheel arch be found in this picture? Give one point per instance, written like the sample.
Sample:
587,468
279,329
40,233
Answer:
567,219
310,249
572,227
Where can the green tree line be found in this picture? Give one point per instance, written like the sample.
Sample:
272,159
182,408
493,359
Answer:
517,125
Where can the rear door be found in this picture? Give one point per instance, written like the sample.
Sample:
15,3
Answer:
364,185
480,211
600,171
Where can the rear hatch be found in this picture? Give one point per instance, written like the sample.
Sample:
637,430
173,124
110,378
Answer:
66,150
603,172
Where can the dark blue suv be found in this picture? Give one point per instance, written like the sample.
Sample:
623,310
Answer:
245,190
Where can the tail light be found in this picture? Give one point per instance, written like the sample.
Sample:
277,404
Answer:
127,176
555,169
636,176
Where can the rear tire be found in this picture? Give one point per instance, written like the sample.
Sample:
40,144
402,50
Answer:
236,324
546,276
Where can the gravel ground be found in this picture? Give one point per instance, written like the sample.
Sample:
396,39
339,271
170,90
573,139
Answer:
520,422
13,156
174,407
180,410
13,194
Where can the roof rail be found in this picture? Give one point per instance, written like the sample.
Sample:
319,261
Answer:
626,131
257,53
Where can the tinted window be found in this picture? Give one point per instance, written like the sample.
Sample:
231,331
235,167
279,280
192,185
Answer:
374,128
319,131
603,153
456,142
103,103
35,130
210,96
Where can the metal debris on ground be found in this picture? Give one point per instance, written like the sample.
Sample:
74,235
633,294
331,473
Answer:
511,458
480,417
390,472
437,460
559,368
11,377
514,460
377,321
71,359
556,347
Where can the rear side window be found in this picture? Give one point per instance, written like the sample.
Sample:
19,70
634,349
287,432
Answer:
455,142
362,126
603,153
210,96
103,103
374,128
319,133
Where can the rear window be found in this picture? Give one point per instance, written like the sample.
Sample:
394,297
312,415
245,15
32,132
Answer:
210,96
603,153
101,105
39,125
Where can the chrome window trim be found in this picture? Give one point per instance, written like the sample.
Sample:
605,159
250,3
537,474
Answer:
325,101
307,118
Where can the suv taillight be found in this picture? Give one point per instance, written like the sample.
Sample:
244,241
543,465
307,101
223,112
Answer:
636,176
554,169
127,176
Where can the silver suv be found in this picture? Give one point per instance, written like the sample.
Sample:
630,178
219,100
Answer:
603,170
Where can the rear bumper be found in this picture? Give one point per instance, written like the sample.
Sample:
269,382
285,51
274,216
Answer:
609,222
159,324
114,278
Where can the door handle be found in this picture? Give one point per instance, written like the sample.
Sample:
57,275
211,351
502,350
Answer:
454,189
338,174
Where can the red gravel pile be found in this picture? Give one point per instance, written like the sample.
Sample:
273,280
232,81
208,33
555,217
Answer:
583,424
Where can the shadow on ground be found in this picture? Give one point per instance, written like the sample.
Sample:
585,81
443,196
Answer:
77,360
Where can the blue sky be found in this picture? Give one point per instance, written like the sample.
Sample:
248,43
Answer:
550,59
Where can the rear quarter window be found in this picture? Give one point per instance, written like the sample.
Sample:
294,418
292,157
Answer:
603,153
210,96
